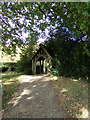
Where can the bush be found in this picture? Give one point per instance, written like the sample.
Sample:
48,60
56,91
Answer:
70,57
25,67
3,68
8,67
25,63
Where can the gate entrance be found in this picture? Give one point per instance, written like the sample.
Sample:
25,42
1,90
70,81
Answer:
41,61
40,66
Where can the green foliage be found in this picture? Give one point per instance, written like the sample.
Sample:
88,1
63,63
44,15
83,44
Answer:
24,66
3,68
40,15
69,56
25,63
73,55
8,66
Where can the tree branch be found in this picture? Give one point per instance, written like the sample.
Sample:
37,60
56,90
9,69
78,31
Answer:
42,11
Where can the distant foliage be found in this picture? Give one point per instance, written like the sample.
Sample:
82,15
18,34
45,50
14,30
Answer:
25,62
70,58
24,66
8,66
3,68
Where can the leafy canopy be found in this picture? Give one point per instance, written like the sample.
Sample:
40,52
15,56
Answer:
70,57
33,18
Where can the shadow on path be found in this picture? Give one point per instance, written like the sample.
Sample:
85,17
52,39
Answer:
35,98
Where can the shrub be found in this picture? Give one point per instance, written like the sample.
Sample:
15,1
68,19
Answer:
24,66
3,68
25,63
8,67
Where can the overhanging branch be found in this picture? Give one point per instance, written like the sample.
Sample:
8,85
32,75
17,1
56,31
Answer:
42,11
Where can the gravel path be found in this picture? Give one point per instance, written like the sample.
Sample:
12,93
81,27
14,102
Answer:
35,98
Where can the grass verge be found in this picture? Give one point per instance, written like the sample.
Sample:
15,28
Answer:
74,95
10,85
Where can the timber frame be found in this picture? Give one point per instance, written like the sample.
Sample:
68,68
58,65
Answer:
41,61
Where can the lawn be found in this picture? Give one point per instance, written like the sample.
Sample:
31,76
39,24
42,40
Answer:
73,93
10,85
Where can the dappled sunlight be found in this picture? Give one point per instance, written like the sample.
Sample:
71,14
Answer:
75,80
15,101
26,78
25,92
1,84
37,93
53,77
10,83
11,80
84,113
64,90
34,86
7,83
30,98
74,95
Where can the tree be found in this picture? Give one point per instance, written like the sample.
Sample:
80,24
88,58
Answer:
38,16
25,62
69,55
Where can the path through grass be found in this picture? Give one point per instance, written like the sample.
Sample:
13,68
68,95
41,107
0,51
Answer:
10,85
74,95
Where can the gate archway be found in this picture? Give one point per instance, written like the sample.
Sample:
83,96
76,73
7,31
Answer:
41,61
40,65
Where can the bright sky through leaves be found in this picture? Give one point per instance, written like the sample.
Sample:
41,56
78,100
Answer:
31,21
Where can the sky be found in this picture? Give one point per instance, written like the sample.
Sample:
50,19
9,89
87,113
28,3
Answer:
25,34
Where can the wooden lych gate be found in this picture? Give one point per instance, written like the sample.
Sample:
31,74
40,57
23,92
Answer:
41,61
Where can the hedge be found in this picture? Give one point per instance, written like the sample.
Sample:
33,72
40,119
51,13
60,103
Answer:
8,66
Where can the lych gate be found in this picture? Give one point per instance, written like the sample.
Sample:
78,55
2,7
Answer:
41,61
